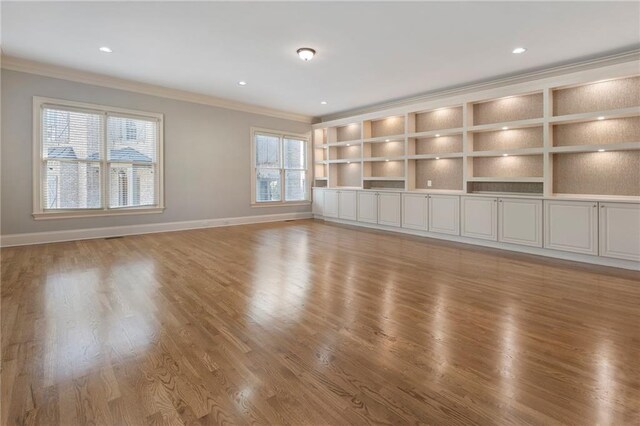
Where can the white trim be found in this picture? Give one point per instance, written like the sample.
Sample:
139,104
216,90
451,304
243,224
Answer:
39,102
555,254
65,73
118,231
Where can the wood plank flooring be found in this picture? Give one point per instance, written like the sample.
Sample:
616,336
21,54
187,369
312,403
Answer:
312,323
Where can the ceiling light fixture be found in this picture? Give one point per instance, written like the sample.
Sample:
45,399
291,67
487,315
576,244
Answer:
323,102
105,49
601,150
387,140
437,158
306,53
505,155
437,135
505,128
348,144
601,118
386,159
242,83
519,50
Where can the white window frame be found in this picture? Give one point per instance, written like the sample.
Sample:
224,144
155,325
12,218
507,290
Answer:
39,212
306,137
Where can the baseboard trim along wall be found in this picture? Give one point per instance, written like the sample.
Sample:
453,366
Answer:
554,254
119,231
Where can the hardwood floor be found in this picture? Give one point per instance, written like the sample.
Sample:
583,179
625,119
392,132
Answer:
311,323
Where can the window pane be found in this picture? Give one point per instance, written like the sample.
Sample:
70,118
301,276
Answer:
267,151
131,185
296,185
71,135
267,185
294,154
71,185
132,139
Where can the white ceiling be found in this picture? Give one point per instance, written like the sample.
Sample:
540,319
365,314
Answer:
367,52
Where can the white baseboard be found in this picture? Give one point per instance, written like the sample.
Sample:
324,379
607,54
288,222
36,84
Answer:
118,231
556,254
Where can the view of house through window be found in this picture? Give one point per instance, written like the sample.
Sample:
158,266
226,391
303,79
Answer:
280,168
96,160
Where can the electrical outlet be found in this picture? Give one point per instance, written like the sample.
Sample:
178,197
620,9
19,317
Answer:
429,184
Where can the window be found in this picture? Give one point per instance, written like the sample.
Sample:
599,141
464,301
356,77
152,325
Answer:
92,160
280,172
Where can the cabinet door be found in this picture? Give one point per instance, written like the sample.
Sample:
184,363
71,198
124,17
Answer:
444,214
347,205
520,221
414,211
330,203
318,201
368,207
389,207
571,226
620,230
480,218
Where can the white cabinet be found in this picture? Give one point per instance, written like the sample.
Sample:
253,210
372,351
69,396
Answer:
389,207
571,226
347,205
444,214
368,207
620,230
520,221
317,207
330,206
414,211
480,218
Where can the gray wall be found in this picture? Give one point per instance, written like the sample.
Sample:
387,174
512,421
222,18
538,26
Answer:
207,155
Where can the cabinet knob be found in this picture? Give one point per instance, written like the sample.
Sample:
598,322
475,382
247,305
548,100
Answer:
595,205
602,206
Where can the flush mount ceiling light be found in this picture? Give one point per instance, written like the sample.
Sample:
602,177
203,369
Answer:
519,50
306,53
242,83
105,49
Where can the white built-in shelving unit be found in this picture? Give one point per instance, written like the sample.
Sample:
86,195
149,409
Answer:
580,138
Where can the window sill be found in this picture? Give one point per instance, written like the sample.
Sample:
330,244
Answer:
281,204
70,214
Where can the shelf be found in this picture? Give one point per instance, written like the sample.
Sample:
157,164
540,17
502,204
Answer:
321,162
520,124
354,160
625,146
592,116
371,159
506,179
520,107
436,133
434,156
620,93
500,153
323,146
389,178
346,143
379,139
438,120
321,178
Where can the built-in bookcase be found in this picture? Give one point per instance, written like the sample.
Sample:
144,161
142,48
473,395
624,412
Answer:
554,141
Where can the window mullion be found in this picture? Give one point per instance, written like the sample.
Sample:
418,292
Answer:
105,164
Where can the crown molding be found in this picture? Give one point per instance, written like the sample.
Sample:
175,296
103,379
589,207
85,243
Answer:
55,71
549,72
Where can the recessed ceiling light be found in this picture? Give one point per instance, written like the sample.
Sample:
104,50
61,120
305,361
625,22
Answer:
387,140
519,50
348,162
348,144
386,159
505,128
306,53
437,158
242,83
601,118
323,102
438,135
505,155
601,150
105,49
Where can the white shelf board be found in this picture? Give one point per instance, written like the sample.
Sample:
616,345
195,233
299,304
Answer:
354,160
346,143
321,178
519,124
371,159
501,152
434,156
433,133
592,116
623,146
320,162
392,138
507,179
390,178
